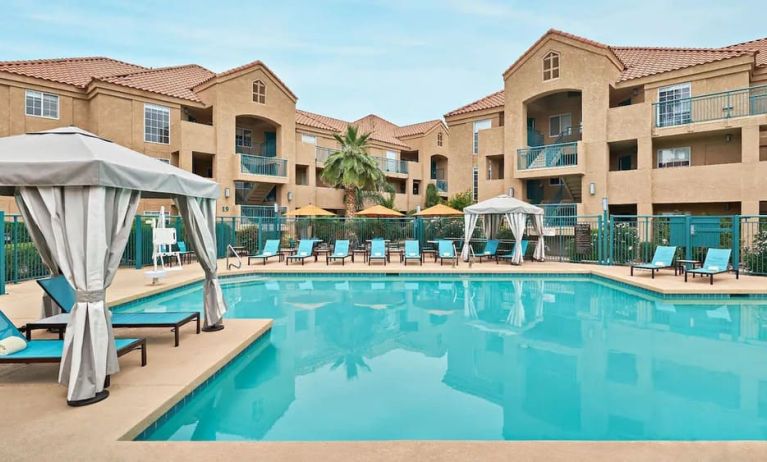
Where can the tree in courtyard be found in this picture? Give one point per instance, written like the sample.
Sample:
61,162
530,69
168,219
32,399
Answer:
352,169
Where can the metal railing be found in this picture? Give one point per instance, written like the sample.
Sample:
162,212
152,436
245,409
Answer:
559,214
258,165
261,149
548,156
715,106
261,211
386,165
606,239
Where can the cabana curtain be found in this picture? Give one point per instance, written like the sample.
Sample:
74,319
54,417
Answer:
84,230
199,216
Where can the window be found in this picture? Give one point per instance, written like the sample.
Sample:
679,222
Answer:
674,157
243,137
439,139
40,104
156,124
416,188
674,105
556,181
308,139
551,66
479,125
259,92
475,194
561,124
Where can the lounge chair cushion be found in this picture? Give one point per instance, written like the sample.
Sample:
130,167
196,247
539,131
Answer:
12,344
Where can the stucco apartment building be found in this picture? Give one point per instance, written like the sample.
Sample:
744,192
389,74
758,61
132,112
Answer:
651,130
240,127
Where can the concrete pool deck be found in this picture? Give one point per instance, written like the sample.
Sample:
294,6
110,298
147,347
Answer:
39,425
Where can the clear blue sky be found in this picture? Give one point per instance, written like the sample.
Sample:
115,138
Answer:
406,60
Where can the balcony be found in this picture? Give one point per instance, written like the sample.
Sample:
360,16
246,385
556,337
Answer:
441,186
261,211
259,165
386,165
716,106
548,156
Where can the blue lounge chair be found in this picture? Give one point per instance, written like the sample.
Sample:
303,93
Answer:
509,256
717,261
63,294
305,250
340,252
378,251
412,252
271,249
490,251
446,251
663,258
49,351
184,252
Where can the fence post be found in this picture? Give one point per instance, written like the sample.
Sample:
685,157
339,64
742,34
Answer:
610,251
15,250
735,242
260,236
688,237
138,248
2,252
600,239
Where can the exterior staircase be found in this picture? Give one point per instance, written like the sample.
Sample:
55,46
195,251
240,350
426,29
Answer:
573,184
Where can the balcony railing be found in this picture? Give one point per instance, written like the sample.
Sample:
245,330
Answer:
441,185
559,214
716,106
258,165
261,149
386,165
261,211
548,156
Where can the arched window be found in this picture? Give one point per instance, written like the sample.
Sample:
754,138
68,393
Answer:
551,66
439,139
259,92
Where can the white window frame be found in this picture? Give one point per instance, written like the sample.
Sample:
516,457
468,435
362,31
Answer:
42,95
550,55
258,98
239,134
479,125
439,139
676,110
160,109
308,139
559,117
677,162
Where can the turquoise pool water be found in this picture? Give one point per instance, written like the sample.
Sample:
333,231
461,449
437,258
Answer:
478,358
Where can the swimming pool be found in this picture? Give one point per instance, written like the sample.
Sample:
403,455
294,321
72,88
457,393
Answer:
478,358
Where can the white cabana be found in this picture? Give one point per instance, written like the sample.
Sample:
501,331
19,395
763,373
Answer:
78,194
515,211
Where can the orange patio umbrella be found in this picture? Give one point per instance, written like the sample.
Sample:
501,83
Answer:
439,210
310,211
379,211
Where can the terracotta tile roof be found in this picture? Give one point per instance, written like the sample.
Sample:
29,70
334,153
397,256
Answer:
381,129
71,71
643,62
759,46
256,63
492,101
416,129
177,81
309,119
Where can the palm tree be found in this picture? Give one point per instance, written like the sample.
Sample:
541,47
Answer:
352,168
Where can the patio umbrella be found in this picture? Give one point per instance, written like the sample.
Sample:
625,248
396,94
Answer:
310,211
78,194
379,211
439,210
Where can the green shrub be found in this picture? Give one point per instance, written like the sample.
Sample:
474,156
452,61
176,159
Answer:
755,256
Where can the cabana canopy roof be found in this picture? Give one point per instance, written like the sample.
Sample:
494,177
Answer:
502,204
70,156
